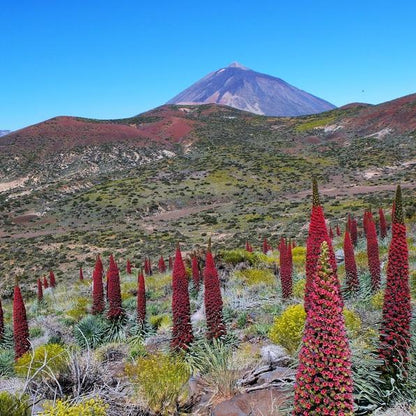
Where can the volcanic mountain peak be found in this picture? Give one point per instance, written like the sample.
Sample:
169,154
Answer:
242,88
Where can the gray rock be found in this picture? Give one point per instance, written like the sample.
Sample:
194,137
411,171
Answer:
274,355
339,255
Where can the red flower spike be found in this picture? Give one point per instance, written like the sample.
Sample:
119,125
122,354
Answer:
141,300
128,267
331,233
338,231
317,234
98,303
212,298
182,335
350,265
397,311
52,280
324,383
20,326
286,268
40,291
81,274
115,311
265,248
161,265
383,224
45,282
372,251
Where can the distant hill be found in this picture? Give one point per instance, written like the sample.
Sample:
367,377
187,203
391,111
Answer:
245,89
4,132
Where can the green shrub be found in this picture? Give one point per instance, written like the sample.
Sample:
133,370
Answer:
91,407
377,300
90,331
238,256
6,362
287,329
160,321
49,358
299,289
13,405
257,276
161,380
352,322
80,308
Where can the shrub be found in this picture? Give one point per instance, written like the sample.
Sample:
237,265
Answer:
377,300
6,363
299,289
299,255
352,322
44,360
90,331
238,256
160,379
91,407
287,329
256,276
13,405
79,310
160,321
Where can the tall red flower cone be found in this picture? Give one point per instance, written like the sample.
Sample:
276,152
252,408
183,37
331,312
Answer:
98,302
45,282
40,291
141,300
1,322
248,247
20,326
372,252
383,224
212,298
128,267
397,310
352,228
285,269
161,265
182,335
350,264
324,384
81,274
115,310
52,280
338,230
331,233
265,248
195,272
317,234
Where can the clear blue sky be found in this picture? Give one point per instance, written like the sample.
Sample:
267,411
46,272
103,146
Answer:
108,59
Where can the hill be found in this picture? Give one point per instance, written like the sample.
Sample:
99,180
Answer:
183,172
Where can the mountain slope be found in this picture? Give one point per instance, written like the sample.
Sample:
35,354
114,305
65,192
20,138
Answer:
4,132
244,89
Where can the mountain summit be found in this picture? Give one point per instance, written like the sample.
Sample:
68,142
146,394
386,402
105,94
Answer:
240,87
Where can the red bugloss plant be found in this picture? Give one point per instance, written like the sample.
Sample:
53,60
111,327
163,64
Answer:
317,234
161,265
115,310
141,300
182,335
212,298
20,326
128,266
397,311
350,265
98,302
286,268
81,274
40,291
45,282
52,280
324,384
383,223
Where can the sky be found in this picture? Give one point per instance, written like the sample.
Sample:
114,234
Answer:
114,59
